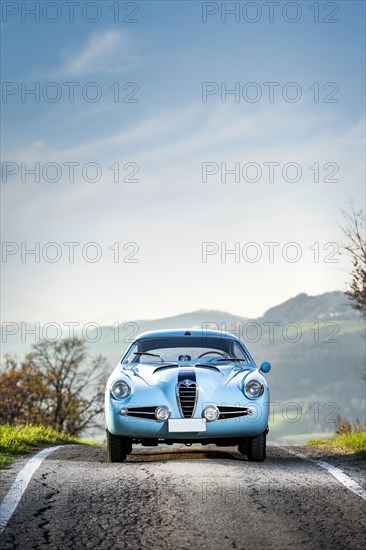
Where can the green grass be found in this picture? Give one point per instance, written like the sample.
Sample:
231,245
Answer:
355,442
19,440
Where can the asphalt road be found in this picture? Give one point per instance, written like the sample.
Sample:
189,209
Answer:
184,498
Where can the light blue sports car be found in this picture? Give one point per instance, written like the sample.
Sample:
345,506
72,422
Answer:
187,386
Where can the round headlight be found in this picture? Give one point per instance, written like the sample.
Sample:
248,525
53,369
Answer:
211,413
253,389
120,389
162,413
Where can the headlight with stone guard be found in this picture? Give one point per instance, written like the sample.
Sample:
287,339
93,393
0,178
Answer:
253,389
120,389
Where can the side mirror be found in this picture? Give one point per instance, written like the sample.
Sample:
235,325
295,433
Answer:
265,367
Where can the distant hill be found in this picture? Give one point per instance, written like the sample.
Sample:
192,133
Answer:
194,319
315,344
331,305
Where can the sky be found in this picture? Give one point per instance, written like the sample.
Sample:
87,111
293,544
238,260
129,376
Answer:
174,156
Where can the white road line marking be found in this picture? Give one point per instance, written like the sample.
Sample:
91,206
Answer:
334,471
15,493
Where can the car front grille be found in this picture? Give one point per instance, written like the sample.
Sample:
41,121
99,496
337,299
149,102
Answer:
187,399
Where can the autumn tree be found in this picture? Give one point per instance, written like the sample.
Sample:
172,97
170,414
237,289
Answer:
23,394
57,385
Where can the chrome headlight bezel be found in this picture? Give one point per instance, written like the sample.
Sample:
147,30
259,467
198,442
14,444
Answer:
162,409
251,384
211,413
125,389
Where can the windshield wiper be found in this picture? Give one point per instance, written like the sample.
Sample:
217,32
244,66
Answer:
146,353
229,359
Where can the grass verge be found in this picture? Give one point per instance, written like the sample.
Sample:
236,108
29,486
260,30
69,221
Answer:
19,440
354,442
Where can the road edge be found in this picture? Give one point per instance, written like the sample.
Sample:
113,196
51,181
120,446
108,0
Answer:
336,472
16,491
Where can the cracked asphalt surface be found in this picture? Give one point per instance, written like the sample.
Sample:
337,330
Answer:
183,498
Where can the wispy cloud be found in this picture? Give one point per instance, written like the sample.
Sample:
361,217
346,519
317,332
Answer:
168,135
170,209
104,52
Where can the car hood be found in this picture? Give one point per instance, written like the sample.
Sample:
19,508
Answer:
154,375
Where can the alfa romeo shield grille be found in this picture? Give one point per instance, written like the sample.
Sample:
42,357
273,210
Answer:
187,398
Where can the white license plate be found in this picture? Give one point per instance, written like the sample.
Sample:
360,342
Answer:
187,425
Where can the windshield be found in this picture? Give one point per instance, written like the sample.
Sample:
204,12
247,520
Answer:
184,348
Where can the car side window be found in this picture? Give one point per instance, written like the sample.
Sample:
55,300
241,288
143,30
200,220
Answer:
238,352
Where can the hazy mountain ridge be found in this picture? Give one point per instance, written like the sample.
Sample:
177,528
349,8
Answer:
330,305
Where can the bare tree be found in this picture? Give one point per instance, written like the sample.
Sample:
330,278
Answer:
354,229
57,384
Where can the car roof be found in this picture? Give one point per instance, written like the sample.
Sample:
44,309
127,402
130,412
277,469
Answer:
186,332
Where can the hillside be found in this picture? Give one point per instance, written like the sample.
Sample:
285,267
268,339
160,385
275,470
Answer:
328,306
315,345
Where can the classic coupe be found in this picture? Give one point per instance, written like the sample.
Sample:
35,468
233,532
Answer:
187,386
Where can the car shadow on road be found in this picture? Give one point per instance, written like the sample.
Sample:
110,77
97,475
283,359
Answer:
179,453
80,453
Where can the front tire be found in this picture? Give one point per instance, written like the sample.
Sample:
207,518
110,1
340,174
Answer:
257,448
118,447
